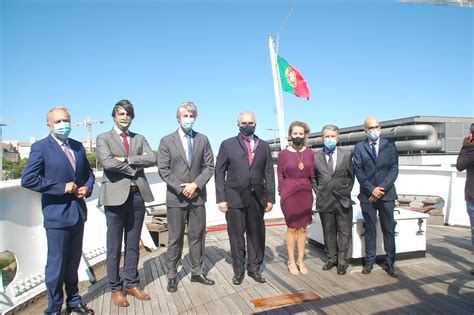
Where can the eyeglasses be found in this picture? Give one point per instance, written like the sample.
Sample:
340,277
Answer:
247,123
373,127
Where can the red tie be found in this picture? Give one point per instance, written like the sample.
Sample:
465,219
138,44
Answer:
125,142
69,156
249,150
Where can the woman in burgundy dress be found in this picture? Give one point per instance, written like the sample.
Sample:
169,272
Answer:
295,169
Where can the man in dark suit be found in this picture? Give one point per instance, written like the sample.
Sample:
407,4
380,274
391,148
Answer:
186,163
245,190
376,168
123,193
59,170
332,182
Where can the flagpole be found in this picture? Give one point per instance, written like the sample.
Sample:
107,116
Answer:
278,94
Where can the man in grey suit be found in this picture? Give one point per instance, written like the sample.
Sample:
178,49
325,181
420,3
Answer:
332,182
123,193
186,163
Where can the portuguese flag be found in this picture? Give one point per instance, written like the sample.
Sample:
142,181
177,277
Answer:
291,80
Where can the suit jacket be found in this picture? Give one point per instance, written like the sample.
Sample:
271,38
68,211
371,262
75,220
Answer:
334,189
174,169
236,179
465,161
118,175
48,170
373,173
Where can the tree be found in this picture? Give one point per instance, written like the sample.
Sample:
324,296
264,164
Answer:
13,170
94,161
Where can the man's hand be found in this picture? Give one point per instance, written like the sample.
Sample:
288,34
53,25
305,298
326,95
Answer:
468,140
223,206
120,158
189,190
269,207
81,192
70,188
378,192
373,199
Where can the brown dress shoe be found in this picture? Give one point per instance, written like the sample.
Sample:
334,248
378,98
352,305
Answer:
137,293
119,299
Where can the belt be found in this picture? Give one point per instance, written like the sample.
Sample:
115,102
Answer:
134,189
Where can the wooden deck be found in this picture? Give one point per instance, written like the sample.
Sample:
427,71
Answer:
440,283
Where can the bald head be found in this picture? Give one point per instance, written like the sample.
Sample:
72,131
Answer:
371,122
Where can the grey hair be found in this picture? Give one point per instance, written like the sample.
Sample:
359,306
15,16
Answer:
253,115
189,106
331,128
57,108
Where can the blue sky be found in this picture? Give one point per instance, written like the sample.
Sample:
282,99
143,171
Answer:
360,58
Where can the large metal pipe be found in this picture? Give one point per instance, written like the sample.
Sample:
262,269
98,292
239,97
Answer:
348,140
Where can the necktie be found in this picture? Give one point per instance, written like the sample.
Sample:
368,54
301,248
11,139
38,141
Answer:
374,151
190,148
69,156
125,142
330,163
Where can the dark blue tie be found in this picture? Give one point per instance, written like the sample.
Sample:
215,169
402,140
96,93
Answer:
374,151
330,163
190,148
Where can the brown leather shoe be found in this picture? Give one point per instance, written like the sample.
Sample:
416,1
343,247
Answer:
137,293
119,299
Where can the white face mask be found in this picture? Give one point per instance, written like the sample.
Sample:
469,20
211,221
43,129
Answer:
62,129
374,134
187,123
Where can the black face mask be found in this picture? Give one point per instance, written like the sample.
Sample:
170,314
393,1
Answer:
247,130
297,141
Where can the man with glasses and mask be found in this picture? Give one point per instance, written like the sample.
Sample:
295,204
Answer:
376,167
332,182
59,170
245,190
186,163
124,191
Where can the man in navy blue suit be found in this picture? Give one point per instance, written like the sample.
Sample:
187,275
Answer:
376,168
59,170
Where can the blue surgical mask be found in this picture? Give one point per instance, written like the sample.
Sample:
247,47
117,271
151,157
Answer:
187,123
330,144
373,135
62,130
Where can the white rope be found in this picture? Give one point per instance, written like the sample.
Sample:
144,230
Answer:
283,24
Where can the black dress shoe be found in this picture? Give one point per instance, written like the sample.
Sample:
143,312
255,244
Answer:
367,269
202,279
257,276
390,271
80,308
329,264
172,285
341,269
237,279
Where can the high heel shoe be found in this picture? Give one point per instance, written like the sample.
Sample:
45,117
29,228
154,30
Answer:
293,268
302,268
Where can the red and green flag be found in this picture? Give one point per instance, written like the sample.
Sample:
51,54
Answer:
291,80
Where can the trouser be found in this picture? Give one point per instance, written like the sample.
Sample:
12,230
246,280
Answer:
124,221
470,211
249,221
337,231
387,223
195,216
64,256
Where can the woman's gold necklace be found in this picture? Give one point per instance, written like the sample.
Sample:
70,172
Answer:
300,159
